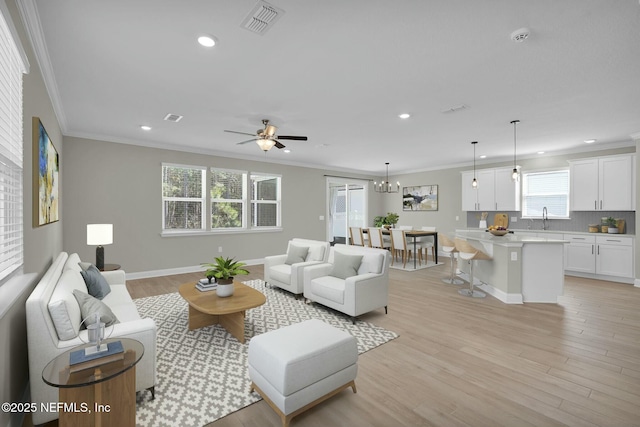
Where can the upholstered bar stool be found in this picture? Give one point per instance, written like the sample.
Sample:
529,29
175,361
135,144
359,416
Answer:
449,246
470,254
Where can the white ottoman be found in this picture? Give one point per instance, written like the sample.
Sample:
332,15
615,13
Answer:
301,365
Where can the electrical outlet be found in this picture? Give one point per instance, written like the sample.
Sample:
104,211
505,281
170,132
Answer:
220,249
321,218
514,256
514,219
457,218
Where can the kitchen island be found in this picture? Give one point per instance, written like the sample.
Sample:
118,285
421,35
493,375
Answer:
523,269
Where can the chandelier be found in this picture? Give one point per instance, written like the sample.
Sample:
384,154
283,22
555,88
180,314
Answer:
385,186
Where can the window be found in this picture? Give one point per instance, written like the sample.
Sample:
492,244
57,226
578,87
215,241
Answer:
190,194
183,197
11,216
548,189
228,201
265,201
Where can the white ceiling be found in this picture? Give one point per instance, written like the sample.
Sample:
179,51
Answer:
341,71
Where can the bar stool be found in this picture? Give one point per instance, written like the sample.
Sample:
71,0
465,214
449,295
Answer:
470,254
449,247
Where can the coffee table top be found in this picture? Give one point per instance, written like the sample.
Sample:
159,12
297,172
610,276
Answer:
244,297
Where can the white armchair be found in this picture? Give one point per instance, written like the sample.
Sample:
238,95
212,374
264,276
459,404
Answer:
285,271
354,281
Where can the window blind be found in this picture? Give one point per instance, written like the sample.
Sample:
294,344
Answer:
546,189
11,215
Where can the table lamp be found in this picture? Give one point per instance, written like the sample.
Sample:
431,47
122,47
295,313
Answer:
99,234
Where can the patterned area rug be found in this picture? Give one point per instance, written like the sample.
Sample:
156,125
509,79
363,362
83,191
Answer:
202,375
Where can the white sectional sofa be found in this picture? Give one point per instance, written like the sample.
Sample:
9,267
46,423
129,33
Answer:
44,344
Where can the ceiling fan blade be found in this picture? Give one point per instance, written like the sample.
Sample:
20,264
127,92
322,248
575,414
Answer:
241,133
279,144
293,138
248,140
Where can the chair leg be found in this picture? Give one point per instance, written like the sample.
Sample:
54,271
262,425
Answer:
470,292
452,280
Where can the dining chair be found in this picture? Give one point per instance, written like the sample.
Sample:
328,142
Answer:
357,238
399,245
428,242
376,240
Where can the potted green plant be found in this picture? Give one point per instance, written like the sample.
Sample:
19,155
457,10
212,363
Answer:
613,225
224,270
391,219
379,221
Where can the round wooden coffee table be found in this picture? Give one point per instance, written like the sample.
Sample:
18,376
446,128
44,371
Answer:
207,308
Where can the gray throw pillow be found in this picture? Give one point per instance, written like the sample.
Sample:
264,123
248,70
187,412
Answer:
296,254
345,266
89,306
96,283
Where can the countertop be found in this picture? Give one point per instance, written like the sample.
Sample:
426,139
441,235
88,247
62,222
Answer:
506,240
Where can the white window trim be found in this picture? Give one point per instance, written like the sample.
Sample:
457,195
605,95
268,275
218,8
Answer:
203,199
277,202
556,169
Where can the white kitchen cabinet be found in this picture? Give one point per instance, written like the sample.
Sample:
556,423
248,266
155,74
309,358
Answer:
604,183
606,256
614,256
496,191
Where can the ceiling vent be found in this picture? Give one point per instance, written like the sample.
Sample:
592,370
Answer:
261,18
173,118
455,108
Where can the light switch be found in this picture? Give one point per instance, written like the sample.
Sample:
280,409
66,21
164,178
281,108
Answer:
514,256
321,218
514,219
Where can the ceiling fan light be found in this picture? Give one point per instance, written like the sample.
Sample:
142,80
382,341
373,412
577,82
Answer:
265,144
270,130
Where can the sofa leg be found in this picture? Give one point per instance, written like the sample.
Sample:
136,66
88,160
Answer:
153,392
353,319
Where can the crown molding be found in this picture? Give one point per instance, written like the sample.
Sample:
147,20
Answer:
31,21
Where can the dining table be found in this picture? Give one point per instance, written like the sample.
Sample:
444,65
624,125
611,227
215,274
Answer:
414,234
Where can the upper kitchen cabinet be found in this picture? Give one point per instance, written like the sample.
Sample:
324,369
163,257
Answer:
496,191
603,184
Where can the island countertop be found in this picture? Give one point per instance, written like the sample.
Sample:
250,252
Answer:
508,239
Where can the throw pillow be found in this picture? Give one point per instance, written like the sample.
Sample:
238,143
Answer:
96,283
61,320
89,306
84,265
345,266
296,254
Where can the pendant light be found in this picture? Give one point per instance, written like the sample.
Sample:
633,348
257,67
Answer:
474,183
514,175
385,186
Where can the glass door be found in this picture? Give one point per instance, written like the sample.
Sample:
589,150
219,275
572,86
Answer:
347,207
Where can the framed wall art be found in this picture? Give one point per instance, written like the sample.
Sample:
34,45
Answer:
420,198
46,180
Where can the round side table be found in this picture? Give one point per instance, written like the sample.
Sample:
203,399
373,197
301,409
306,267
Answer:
104,394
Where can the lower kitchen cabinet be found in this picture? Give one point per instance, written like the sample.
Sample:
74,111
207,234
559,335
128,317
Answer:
608,257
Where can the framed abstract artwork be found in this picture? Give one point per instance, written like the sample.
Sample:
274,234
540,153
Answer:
420,198
46,177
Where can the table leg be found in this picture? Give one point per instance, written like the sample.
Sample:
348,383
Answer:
435,245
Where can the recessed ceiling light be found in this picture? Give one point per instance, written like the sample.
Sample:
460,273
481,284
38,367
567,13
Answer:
484,156
540,152
590,141
145,127
207,41
404,115
286,150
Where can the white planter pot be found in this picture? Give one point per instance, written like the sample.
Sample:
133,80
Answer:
612,230
224,290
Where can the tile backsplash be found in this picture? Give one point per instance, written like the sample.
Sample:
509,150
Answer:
579,221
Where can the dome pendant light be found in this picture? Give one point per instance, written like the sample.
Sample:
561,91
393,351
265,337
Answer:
515,175
385,186
474,183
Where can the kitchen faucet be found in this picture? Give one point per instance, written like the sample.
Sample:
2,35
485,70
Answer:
545,218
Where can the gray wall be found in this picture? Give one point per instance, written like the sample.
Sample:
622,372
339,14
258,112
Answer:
41,244
121,184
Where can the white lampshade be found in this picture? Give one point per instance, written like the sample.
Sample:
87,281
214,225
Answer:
99,234
265,144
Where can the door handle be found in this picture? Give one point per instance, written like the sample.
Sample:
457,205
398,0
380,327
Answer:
595,204
600,204
591,249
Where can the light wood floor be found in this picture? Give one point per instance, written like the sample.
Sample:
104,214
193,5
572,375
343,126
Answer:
479,362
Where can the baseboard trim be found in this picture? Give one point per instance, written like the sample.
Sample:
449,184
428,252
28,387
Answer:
494,292
180,270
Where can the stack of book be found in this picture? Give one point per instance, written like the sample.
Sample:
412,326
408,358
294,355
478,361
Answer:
203,285
79,361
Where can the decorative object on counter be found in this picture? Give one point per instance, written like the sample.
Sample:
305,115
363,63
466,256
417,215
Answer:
604,224
385,186
515,175
498,230
613,225
594,228
420,198
483,220
620,224
474,183
224,270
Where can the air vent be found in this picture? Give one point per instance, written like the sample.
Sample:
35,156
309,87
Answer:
261,18
455,108
173,118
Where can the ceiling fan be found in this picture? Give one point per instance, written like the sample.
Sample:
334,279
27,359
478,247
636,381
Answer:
266,138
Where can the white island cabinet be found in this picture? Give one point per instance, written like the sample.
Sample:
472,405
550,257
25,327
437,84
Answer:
522,269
